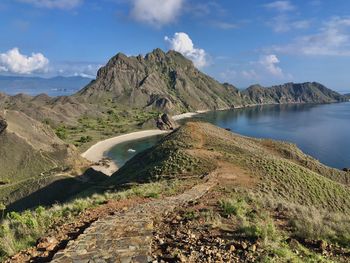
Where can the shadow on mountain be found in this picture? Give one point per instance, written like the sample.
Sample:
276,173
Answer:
59,191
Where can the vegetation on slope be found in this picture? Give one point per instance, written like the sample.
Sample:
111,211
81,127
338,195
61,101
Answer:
288,192
31,156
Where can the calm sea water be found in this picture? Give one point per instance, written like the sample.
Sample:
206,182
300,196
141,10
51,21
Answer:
321,131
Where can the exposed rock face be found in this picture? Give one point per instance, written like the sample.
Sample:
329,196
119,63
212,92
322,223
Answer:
3,125
166,122
170,83
163,81
309,92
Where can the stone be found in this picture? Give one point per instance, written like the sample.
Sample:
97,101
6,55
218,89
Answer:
244,245
253,248
127,235
3,125
232,248
166,122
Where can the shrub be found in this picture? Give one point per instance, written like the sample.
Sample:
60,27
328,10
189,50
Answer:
237,207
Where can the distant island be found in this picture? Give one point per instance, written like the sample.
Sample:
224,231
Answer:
35,85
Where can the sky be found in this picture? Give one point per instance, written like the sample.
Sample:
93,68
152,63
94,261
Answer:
240,42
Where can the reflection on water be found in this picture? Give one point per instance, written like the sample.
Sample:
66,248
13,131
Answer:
322,131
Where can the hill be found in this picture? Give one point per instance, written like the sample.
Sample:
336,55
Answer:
272,203
170,83
309,92
35,85
31,156
202,193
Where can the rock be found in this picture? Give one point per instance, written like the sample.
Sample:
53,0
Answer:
166,122
232,248
253,248
244,245
345,169
3,125
47,244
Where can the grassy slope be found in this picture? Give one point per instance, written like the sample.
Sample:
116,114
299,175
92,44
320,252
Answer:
281,169
31,156
270,191
256,178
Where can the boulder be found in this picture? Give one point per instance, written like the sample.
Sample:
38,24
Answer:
346,169
166,122
3,125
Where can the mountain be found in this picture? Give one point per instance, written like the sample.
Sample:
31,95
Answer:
170,83
128,92
309,92
163,81
31,156
158,82
36,85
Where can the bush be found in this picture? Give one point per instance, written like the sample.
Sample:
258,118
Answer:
61,132
85,139
233,207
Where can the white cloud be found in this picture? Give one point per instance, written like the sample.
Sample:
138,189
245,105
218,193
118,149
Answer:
14,62
281,6
83,69
59,4
156,12
332,39
181,42
283,23
269,63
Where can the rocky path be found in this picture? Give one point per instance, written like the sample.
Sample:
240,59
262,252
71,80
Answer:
125,236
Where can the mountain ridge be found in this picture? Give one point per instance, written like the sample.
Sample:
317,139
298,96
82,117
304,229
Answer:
169,82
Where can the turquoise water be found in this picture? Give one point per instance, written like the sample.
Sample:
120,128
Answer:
321,131
121,153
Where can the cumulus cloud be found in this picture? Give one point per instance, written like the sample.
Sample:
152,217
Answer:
281,6
52,4
13,61
156,12
270,64
332,39
181,42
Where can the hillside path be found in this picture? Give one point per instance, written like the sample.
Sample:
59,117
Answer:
125,236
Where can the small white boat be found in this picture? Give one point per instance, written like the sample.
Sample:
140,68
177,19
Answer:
131,151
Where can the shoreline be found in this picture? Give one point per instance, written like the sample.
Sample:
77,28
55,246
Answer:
96,153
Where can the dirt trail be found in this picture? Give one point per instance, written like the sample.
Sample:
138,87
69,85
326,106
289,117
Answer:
127,235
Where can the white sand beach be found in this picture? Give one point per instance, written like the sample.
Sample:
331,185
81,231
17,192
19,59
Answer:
96,153
188,115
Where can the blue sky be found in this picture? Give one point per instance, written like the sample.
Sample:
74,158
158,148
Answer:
241,42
